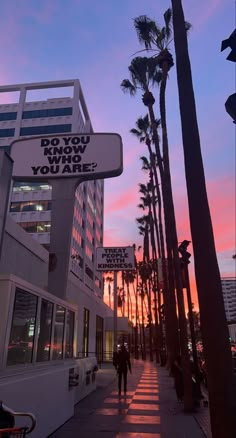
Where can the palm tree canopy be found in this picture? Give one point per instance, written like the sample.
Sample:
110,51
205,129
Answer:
144,72
143,130
150,34
157,38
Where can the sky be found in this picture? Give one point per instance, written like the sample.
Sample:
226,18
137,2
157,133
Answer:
94,41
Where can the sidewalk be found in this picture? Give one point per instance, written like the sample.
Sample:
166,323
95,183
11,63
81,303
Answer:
149,410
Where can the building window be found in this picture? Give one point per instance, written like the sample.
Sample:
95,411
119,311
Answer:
45,331
8,132
53,112
89,272
27,187
36,227
86,333
5,149
58,333
99,339
69,334
40,130
8,116
20,348
31,206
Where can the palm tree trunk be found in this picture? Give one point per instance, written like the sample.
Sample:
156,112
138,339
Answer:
171,322
221,381
187,376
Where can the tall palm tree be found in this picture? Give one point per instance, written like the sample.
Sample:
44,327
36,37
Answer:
151,36
221,381
144,73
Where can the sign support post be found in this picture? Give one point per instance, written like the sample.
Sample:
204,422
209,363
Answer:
63,200
115,312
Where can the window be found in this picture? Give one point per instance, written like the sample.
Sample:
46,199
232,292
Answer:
36,227
69,334
26,186
40,130
58,333
99,338
22,335
45,330
89,272
5,149
8,132
31,206
52,112
8,116
86,333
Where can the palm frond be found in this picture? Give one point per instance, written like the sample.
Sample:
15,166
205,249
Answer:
146,30
136,132
168,23
157,77
188,26
128,87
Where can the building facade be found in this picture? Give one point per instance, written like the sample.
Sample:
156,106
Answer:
229,294
30,204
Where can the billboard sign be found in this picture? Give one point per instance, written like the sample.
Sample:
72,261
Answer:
115,259
92,156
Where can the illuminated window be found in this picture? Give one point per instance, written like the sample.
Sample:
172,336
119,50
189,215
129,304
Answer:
45,330
69,334
58,333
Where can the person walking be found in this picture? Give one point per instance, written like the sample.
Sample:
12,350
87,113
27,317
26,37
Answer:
122,366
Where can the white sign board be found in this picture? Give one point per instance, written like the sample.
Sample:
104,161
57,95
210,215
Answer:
68,155
115,259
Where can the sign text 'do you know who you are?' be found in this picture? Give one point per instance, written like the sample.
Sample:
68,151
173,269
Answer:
115,259
87,155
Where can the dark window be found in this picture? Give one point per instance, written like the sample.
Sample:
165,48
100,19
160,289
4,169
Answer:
53,112
58,333
22,335
45,331
8,116
6,149
89,272
40,130
99,338
8,132
86,333
69,334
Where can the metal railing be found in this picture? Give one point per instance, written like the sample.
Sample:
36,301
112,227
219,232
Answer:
20,432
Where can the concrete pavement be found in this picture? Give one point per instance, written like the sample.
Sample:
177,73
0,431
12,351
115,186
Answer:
149,410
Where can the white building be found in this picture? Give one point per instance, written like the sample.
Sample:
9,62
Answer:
229,294
31,202
43,337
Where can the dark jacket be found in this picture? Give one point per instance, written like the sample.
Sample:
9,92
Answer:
123,360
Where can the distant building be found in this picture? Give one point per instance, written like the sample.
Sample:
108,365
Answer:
229,294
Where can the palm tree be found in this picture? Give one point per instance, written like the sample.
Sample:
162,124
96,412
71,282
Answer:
221,381
152,35
144,73
109,281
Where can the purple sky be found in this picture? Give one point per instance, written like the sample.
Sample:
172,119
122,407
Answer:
94,41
